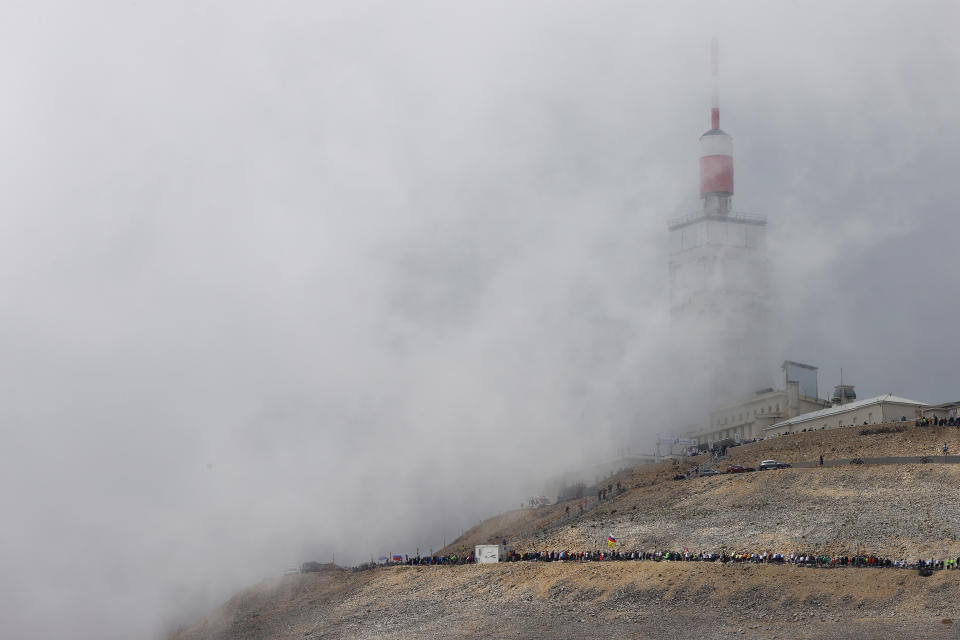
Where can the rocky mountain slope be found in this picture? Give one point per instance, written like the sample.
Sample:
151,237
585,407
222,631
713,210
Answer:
592,600
900,511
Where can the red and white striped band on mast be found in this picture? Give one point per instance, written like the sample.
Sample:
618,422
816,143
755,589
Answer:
716,147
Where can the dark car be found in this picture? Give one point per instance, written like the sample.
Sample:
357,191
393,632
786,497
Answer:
709,472
739,469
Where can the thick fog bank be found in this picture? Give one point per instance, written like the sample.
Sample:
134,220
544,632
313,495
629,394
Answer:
282,282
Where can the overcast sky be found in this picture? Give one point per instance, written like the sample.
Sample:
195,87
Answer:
282,280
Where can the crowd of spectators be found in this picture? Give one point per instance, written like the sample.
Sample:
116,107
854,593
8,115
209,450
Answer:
801,559
937,422
765,557
450,559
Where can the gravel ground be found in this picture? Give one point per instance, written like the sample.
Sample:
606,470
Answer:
594,600
897,511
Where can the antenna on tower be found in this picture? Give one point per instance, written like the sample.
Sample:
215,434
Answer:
715,70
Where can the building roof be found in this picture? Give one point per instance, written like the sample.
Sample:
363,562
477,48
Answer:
832,411
798,364
945,405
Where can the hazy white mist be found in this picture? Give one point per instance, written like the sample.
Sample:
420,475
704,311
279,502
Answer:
283,280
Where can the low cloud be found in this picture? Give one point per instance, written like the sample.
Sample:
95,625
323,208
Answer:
289,282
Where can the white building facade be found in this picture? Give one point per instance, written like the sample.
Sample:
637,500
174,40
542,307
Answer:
876,410
748,419
947,411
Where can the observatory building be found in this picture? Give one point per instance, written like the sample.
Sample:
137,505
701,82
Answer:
749,418
718,279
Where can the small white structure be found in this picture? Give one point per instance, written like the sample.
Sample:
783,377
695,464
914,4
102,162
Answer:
487,553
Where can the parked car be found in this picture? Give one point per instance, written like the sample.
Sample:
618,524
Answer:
709,472
739,469
773,464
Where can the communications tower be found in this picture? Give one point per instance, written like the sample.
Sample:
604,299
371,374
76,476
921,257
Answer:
718,273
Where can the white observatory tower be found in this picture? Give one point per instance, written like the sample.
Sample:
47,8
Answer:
718,275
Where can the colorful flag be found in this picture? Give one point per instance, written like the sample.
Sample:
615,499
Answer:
611,542
397,558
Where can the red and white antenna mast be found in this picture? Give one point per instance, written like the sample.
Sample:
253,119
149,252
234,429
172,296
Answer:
716,152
